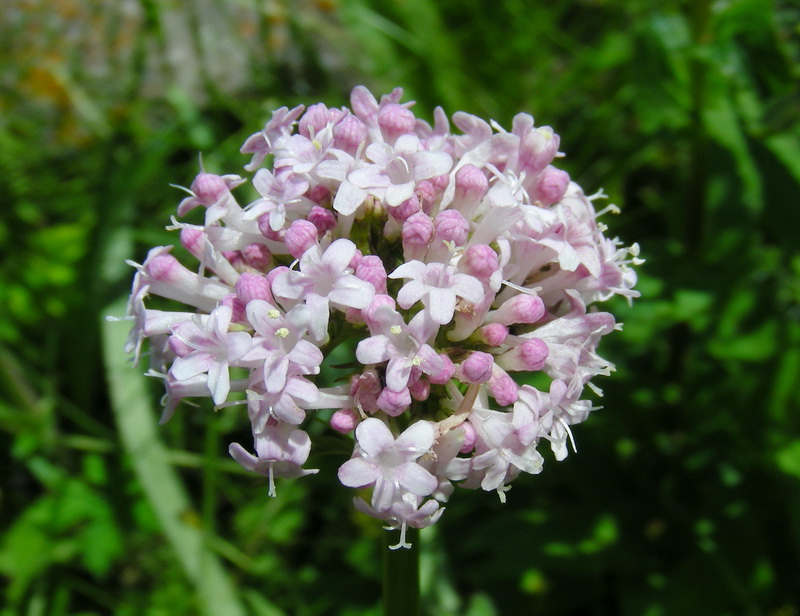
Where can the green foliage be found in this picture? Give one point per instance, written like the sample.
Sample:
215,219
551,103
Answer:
686,487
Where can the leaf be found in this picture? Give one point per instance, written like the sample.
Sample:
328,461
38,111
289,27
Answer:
136,423
788,458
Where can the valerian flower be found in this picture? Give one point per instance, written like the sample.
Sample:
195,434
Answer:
451,265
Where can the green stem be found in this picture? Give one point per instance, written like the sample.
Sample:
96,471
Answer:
401,575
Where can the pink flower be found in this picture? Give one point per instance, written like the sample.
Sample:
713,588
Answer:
388,463
402,346
437,285
493,258
281,451
213,350
325,278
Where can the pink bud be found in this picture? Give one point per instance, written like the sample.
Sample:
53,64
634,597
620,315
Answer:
257,256
267,231
193,240
446,373
521,308
407,208
480,261
420,390
166,268
534,353
234,257
349,133
417,234
209,188
470,437
471,186
345,420
393,403
371,269
477,368
494,334
537,148
451,226
315,119
395,120
440,182
426,194
502,387
551,186
378,301
364,389
237,308
529,356
323,219
253,286
318,194
357,256
300,236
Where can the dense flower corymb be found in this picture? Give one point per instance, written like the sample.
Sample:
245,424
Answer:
456,266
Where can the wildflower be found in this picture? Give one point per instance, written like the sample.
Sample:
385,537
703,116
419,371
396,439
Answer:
451,263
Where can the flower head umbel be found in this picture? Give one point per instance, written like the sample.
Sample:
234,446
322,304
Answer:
451,264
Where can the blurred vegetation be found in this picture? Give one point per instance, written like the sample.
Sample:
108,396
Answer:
684,497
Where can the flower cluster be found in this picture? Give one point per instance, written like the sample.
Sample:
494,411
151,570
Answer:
456,267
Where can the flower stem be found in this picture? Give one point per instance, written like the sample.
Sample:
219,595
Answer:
401,575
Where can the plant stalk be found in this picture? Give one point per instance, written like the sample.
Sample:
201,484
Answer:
401,575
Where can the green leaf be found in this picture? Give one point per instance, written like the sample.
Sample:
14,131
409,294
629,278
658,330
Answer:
788,458
136,423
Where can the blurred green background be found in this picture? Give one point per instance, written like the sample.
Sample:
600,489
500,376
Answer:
684,497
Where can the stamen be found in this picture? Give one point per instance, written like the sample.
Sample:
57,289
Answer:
501,492
526,290
569,434
272,491
402,543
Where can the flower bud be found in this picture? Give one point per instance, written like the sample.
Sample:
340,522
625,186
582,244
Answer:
237,308
300,236
345,420
420,390
494,334
521,308
446,373
209,188
407,208
529,356
193,240
470,437
315,119
323,219
253,286
371,269
257,256
395,120
166,268
425,192
471,186
502,387
380,300
480,261
550,186
417,234
450,226
364,389
477,368
349,133
537,149
393,403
